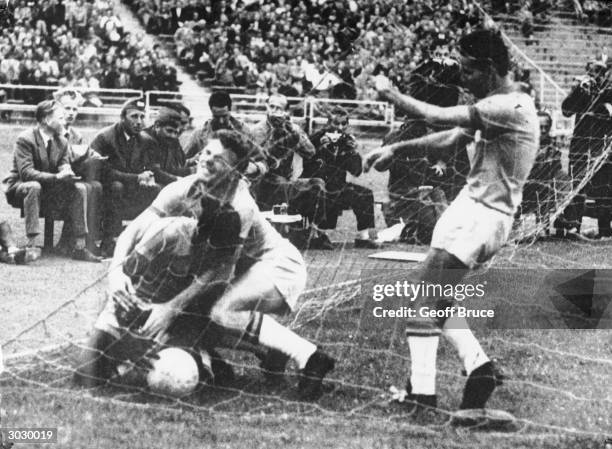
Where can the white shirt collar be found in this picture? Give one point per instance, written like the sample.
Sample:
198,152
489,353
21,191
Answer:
45,136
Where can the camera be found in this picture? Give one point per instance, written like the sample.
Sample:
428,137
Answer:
333,136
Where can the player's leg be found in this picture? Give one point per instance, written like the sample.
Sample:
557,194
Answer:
439,267
466,235
271,286
95,366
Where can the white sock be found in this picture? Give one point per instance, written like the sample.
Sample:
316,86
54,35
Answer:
276,336
423,354
472,355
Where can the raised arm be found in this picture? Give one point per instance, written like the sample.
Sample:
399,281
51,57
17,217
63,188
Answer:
447,116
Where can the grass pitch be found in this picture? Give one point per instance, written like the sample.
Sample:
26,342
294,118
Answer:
559,385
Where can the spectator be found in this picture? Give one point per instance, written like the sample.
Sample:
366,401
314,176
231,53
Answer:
170,163
85,163
49,68
336,155
539,190
129,184
42,177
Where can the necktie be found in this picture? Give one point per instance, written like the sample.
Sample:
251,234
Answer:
49,151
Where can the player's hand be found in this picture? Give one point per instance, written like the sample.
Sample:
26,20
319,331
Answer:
118,281
159,321
439,168
380,159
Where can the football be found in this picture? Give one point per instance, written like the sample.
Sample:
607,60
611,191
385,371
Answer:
175,373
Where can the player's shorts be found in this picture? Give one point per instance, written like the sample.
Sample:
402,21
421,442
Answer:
471,231
286,268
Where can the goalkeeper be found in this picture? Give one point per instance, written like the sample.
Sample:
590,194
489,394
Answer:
504,126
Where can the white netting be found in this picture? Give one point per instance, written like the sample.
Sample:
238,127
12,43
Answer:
559,386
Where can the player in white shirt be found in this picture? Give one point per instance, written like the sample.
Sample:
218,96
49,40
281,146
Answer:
503,123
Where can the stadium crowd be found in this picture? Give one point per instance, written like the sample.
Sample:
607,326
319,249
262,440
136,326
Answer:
298,46
76,43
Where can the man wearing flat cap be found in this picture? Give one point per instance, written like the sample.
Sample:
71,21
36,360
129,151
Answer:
129,183
42,178
169,163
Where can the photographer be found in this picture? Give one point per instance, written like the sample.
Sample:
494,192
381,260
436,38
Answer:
281,139
336,155
591,101
421,183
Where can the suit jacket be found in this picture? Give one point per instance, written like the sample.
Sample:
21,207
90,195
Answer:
126,160
31,162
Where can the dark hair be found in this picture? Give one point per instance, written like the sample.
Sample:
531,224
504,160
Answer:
220,99
238,144
486,45
338,110
45,108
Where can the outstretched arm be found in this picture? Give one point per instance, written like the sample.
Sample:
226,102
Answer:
448,116
434,143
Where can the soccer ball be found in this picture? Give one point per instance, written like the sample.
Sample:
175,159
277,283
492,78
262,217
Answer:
175,373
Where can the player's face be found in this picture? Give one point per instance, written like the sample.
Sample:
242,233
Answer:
215,163
474,78
71,109
134,121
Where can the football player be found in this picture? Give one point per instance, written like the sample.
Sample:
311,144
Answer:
504,125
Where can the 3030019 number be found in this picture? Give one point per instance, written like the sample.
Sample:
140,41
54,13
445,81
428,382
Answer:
29,434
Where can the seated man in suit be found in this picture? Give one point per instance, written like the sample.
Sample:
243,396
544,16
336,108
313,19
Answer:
85,163
170,164
128,181
42,177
